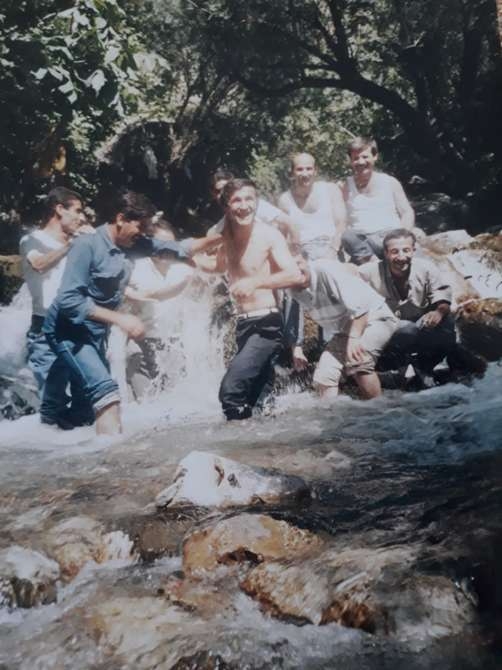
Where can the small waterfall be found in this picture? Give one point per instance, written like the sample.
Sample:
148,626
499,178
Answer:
192,363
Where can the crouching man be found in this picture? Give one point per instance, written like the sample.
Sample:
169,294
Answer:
417,294
356,322
256,259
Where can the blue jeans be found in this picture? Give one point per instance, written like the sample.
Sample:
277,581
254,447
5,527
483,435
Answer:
40,357
86,368
360,246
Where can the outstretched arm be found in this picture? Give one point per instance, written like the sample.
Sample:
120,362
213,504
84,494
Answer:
404,209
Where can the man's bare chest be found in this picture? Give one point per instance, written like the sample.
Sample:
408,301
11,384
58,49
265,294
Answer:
251,261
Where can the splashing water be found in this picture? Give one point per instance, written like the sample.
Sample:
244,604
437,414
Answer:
404,468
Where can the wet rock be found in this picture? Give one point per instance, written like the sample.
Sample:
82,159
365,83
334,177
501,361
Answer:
374,590
209,480
27,578
153,540
203,660
291,592
487,242
479,323
136,627
447,242
246,537
208,598
80,540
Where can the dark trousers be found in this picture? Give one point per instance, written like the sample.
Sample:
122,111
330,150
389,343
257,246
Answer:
422,347
259,342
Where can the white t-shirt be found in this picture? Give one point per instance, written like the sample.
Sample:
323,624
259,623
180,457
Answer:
316,228
373,212
42,286
336,296
161,317
264,212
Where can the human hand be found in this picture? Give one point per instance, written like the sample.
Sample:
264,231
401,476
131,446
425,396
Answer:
131,325
243,288
431,319
300,361
355,352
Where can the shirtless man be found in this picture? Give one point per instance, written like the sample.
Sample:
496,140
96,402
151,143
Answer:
256,259
376,203
265,212
316,209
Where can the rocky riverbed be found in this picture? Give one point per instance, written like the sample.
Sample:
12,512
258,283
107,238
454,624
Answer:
391,560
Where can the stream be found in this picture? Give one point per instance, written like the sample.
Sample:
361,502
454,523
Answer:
420,472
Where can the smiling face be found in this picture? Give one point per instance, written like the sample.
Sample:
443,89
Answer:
71,217
363,161
398,253
241,206
303,170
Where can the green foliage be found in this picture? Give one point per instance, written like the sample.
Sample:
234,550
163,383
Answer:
67,68
166,90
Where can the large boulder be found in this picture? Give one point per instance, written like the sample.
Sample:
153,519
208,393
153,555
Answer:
27,578
209,480
479,323
371,589
80,540
246,538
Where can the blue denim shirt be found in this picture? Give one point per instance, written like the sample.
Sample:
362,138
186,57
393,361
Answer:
97,273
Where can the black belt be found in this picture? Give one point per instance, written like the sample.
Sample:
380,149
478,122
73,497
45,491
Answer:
254,314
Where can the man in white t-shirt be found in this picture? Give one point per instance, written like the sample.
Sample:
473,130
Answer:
376,203
151,294
315,208
43,257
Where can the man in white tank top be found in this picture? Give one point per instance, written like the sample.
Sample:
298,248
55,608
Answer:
376,203
316,209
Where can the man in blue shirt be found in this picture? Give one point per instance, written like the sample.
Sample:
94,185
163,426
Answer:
77,324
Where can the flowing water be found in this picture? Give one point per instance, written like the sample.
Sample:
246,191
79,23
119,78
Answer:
419,470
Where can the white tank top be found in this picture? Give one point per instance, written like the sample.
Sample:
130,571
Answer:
316,229
372,213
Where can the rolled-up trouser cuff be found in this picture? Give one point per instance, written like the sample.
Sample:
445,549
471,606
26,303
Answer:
108,399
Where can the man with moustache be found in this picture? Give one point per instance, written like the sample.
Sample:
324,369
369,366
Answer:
92,288
257,261
417,294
